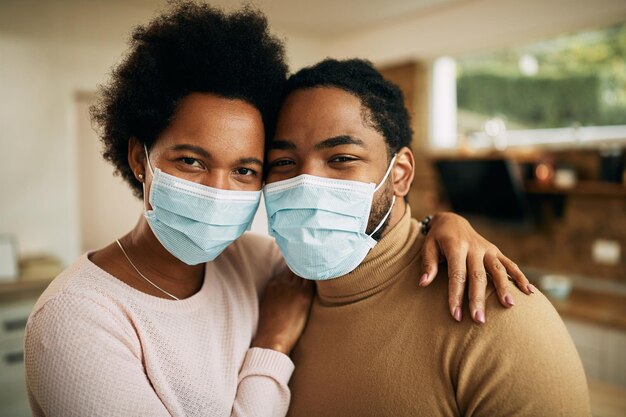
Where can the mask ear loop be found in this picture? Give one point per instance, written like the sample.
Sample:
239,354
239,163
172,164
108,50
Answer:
393,199
387,173
148,159
143,184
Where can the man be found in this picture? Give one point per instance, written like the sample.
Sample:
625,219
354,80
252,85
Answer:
340,168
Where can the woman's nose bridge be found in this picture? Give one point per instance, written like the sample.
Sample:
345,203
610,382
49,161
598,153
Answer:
217,178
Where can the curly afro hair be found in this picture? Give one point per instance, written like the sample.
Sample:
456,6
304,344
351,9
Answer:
189,48
382,100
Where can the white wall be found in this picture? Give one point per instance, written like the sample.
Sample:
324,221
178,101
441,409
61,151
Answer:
38,81
106,207
474,25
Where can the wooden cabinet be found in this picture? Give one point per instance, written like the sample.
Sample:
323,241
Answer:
602,351
616,357
13,396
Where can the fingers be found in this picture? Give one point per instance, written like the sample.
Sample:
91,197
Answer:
288,279
284,275
306,283
430,262
517,275
500,279
456,279
477,287
308,286
305,287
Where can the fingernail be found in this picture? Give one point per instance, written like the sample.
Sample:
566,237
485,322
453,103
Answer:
423,280
480,316
457,314
509,300
531,288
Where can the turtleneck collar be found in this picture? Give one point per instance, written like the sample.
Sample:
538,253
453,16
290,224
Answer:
382,265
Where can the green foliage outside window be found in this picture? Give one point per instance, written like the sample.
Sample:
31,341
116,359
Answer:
572,80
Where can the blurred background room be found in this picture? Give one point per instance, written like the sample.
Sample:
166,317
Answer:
519,115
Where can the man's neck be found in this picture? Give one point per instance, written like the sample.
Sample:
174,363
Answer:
398,247
397,212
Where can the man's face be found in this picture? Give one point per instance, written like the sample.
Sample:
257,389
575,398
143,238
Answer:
324,131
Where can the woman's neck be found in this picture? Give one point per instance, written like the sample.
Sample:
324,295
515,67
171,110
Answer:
153,261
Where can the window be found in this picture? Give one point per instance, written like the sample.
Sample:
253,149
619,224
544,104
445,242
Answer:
564,90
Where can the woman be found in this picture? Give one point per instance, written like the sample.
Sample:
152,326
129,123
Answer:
166,320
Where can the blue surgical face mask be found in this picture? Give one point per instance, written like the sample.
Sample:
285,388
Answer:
319,223
195,223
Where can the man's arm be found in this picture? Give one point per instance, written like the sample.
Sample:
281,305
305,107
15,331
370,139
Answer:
522,362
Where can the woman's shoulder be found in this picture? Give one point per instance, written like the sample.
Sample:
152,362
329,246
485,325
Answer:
80,286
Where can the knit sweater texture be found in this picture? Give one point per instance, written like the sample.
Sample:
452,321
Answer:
378,345
94,346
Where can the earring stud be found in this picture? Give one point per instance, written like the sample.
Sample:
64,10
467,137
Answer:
140,176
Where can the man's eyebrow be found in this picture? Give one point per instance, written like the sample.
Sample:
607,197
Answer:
191,148
283,145
250,160
338,141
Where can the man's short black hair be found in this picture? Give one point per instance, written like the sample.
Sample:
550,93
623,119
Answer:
382,100
189,48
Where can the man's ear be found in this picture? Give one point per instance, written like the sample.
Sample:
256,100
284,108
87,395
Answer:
137,159
403,172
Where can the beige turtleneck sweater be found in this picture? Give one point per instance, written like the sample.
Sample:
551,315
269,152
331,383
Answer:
378,345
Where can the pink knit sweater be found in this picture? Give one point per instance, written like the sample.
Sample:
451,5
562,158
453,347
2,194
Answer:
96,347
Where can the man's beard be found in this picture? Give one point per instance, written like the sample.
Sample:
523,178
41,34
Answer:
380,207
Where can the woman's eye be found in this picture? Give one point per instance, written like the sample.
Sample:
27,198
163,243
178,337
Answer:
191,162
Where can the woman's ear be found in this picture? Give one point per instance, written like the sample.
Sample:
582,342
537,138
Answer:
403,172
137,159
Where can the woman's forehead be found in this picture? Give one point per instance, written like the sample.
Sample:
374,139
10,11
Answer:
218,125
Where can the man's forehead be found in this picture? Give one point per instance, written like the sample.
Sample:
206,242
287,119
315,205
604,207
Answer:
332,95
322,123
322,144
323,112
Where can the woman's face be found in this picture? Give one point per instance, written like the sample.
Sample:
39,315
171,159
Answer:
212,141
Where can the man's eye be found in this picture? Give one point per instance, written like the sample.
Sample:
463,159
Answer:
342,159
245,171
281,163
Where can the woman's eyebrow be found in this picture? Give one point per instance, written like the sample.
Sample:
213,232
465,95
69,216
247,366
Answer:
191,148
250,160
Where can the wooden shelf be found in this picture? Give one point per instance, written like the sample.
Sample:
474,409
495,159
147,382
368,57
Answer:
10,291
607,400
588,188
520,156
600,308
